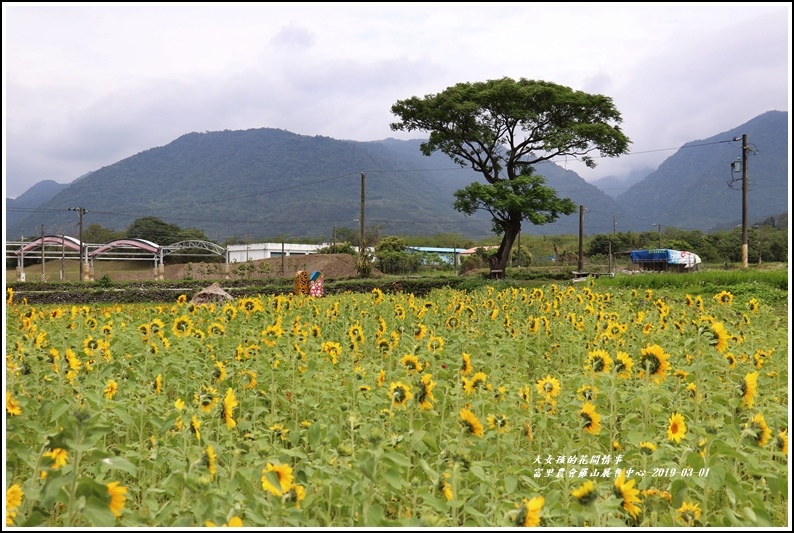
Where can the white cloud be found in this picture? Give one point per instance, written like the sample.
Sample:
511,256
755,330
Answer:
88,85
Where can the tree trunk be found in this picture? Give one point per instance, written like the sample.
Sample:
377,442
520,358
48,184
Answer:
511,229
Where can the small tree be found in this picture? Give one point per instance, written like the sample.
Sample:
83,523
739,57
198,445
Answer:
338,248
392,258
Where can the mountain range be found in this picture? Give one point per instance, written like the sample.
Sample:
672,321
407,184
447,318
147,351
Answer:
267,183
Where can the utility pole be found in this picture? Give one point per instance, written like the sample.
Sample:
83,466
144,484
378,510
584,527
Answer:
83,267
361,218
334,238
63,257
660,234
745,148
581,235
362,252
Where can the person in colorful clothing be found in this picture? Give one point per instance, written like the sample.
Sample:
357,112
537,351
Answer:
316,284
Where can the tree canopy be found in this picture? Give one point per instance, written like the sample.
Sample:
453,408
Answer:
501,128
161,232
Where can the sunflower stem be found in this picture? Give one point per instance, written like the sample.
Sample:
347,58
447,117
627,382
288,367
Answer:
73,484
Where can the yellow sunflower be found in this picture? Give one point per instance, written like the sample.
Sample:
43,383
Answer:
590,419
759,430
117,497
384,346
676,428
548,387
466,367
400,394
647,447
452,322
295,494
182,326
110,389
356,334
628,494
333,349
624,365
525,393
207,399
435,344
724,297
399,312
272,333
586,493
749,389
445,487
425,396
497,422
721,336
195,424
471,422
655,361
471,385
229,311
377,295
251,376
229,403
411,363
781,442
761,356
276,479
587,393
216,329
598,361
59,457
234,521
12,406
528,514
688,513
14,496
209,459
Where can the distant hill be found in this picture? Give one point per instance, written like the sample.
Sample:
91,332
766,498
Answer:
265,183
17,209
614,186
696,189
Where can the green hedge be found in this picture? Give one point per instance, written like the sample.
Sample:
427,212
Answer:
76,293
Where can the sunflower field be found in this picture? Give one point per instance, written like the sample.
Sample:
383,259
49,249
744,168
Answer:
561,406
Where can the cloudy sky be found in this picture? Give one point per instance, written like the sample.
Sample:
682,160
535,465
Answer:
86,85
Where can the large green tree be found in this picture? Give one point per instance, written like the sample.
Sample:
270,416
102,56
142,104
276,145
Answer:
501,128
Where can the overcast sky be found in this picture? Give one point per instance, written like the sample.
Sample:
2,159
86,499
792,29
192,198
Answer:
86,85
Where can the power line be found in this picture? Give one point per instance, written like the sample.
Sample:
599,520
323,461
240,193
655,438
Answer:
248,220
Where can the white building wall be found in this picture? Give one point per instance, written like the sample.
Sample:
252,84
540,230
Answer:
240,253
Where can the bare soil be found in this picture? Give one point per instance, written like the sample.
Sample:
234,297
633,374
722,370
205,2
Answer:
332,266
